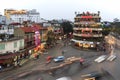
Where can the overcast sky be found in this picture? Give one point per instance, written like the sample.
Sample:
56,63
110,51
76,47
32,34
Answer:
65,9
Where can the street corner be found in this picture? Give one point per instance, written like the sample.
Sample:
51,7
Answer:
23,61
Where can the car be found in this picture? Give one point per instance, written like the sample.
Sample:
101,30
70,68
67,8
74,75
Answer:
100,59
64,78
92,75
59,59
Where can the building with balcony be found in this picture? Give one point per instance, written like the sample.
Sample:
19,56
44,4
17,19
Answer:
28,34
87,30
2,19
34,37
10,51
6,32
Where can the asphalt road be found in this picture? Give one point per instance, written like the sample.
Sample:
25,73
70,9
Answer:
33,67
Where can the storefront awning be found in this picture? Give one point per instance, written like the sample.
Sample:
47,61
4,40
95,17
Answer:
1,61
6,61
7,56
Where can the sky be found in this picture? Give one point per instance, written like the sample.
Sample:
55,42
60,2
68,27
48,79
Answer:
65,9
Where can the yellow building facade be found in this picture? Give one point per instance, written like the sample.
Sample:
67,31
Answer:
8,12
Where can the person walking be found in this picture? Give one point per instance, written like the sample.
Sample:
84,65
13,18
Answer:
81,61
0,67
63,52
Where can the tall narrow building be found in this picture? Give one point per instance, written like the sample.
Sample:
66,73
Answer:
87,30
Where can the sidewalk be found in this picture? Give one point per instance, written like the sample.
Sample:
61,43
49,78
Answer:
12,67
24,61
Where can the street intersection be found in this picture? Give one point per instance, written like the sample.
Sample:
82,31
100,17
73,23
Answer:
31,70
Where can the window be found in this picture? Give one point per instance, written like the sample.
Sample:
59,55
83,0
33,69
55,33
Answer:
2,46
21,44
15,44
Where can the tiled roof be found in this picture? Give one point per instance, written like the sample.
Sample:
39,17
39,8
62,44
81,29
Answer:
33,28
14,23
7,56
27,29
39,27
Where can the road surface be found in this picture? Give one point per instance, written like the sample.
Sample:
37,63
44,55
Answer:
33,67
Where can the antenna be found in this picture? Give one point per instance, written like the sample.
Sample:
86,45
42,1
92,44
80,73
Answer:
75,13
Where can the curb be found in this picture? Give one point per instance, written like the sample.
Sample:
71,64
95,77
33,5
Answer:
13,67
6,69
24,61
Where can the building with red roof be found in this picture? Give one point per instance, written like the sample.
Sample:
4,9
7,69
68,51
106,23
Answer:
29,35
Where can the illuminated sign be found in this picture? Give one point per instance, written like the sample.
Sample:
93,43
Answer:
86,16
36,36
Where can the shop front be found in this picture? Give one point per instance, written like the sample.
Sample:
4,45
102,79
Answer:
6,63
38,50
7,60
84,44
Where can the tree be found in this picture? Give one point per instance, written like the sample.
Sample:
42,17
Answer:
116,27
67,27
116,20
106,30
51,38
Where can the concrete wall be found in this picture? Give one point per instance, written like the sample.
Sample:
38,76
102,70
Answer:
10,46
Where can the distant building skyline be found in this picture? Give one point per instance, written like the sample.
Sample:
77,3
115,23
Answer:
65,9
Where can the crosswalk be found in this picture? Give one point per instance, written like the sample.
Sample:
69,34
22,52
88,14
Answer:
105,58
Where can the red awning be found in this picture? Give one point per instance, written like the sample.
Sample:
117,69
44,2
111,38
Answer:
6,61
7,56
2,61
48,58
86,16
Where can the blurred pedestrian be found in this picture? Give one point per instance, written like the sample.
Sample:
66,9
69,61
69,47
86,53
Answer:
63,52
0,67
81,61
49,59
104,49
37,56
40,79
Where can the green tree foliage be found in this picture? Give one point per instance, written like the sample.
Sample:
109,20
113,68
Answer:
106,29
51,37
67,27
116,27
116,20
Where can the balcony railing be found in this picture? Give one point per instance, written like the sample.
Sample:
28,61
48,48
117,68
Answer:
95,16
88,35
95,29
87,23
